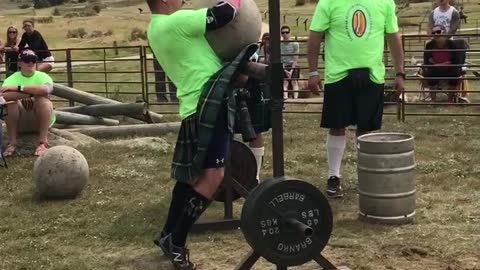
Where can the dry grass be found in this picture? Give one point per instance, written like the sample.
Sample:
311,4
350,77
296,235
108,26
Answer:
112,224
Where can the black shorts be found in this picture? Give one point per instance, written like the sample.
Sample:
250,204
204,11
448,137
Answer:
354,100
219,145
295,73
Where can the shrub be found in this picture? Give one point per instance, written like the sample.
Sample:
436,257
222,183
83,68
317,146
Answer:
38,4
299,2
48,19
71,15
97,8
137,34
25,6
77,33
56,12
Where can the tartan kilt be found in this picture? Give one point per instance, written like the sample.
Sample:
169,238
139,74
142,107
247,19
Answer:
259,106
197,130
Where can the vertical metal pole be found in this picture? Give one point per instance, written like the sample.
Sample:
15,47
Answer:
401,104
68,58
142,70
105,71
276,84
145,71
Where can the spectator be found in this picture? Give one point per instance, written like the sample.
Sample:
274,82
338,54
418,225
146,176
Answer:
32,109
264,50
33,40
290,51
462,15
444,15
442,61
10,49
161,85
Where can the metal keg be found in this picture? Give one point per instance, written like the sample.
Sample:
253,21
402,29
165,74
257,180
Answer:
386,178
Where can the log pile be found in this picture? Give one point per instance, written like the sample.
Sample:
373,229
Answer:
95,117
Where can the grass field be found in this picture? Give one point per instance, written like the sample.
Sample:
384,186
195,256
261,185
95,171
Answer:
112,224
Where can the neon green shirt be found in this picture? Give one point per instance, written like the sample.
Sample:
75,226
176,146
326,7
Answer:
354,35
38,78
179,44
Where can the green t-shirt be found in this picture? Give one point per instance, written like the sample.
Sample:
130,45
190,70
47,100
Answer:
354,35
179,44
38,78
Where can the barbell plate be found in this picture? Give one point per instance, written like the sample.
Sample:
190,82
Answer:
264,225
243,169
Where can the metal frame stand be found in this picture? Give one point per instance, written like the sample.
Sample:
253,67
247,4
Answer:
252,257
276,83
228,222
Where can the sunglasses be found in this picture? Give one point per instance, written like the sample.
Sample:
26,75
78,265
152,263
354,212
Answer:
436,32
286,32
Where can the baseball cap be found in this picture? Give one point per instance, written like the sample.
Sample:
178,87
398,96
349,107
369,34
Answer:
27,55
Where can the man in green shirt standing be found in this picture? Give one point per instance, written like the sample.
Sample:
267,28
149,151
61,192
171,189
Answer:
177,38
29,108
354,32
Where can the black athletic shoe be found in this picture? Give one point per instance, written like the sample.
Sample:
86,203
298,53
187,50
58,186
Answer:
179,256
334,189
161,242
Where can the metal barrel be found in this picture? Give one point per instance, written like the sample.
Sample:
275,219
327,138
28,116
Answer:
386,178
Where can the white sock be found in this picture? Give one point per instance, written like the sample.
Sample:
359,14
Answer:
258,152
335,149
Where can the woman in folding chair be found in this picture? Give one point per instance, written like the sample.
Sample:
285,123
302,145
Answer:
442,68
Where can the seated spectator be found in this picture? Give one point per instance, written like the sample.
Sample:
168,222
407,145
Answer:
31,109
33,40
290,51
441,60
264,49
10,50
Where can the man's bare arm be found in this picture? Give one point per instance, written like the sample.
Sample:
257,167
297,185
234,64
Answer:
313,46
454,23
395,44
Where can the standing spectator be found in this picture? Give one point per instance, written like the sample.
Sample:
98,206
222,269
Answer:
354,33
10,50
444,15
161,84
290,51
33,40
462,15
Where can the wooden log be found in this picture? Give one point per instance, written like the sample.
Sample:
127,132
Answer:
80,119
69,93
127,109
142,130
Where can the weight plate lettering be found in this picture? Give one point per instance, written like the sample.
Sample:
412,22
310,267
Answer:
287,221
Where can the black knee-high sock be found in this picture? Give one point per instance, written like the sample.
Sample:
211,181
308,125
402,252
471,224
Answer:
195,205
179,194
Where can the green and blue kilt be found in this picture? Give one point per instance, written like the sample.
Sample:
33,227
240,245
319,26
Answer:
197,130
259,105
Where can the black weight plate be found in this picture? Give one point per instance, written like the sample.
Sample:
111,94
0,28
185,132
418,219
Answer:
264,227
243,169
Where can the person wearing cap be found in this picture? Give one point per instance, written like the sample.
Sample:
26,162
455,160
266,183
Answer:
29,108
